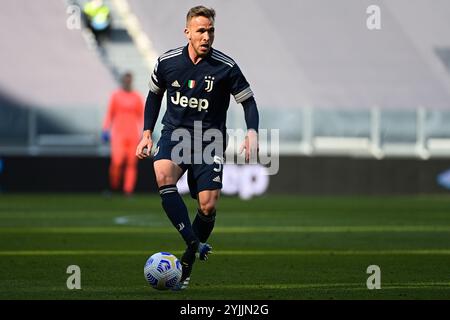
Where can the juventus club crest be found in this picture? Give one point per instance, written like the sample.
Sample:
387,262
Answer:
209,83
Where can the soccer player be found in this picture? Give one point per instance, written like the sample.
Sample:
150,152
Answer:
199,81
123,122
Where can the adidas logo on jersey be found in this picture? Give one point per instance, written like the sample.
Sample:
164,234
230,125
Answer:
176,84
217,179
199,104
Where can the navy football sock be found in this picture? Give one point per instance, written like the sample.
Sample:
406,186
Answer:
203,225
178,214
188,257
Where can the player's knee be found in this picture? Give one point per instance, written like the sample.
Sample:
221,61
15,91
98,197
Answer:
207,207
164,179
207,202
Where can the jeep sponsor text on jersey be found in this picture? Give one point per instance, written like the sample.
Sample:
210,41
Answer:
199,104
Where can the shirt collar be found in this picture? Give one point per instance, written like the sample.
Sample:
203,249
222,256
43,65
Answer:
186,53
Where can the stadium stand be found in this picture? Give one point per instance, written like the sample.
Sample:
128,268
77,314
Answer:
330,83
50,72
312,52
319,57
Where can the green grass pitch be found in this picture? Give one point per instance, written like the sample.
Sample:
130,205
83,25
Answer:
272,247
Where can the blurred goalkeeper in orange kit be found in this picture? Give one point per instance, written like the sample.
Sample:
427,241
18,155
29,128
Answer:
123,127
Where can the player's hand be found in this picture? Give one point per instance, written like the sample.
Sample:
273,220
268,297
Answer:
144,147
251,147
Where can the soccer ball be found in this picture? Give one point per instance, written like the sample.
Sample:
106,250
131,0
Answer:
162,270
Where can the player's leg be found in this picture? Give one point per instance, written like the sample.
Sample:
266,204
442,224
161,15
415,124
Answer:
167,174
204,183
130,176
117,161
208,183
205,218
206,214
202,225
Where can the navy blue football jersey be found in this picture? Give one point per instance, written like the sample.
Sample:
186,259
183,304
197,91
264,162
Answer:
198,92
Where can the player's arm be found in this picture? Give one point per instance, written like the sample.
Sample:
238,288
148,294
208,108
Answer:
251,114
243,94
250,144
151,112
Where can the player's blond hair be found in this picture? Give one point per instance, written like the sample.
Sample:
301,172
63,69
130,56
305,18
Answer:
200,11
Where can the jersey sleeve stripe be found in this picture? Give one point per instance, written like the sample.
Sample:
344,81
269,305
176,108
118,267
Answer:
218,55
153,86
171,55
242,99
171,52
221,55
243,95
221,60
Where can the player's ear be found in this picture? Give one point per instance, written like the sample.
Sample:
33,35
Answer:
187,33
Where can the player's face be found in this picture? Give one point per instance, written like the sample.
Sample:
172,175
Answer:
200,33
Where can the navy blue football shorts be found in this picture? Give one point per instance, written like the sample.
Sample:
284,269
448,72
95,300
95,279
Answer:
201,175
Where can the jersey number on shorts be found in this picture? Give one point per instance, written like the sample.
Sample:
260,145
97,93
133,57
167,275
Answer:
219,161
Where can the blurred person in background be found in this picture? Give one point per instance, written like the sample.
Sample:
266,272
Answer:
123,126
98,18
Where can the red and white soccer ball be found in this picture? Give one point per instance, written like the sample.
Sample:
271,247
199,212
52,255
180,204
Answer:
162,270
